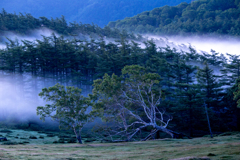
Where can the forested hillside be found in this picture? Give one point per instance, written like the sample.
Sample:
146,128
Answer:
197,17
99,12
25,24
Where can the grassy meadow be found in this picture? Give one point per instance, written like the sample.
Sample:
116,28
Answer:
39,145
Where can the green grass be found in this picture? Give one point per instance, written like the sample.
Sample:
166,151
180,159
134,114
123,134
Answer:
218,148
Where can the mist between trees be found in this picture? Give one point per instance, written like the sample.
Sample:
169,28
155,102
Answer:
187,77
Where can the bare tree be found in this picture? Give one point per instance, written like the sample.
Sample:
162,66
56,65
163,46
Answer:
131,103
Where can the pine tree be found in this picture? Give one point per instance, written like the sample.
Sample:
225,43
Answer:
211,92
232,70
210,87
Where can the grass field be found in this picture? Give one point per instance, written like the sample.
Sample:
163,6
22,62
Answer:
221,147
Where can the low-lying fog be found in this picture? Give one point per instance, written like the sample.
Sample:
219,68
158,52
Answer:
19,97
222,45
31,36
13,106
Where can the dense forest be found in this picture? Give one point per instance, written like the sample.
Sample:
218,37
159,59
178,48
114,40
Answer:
99,12
197,17
189,79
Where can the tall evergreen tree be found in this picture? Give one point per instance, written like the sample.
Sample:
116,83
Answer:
211,91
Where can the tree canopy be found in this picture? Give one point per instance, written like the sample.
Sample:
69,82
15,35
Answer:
131,102
67,106
26,24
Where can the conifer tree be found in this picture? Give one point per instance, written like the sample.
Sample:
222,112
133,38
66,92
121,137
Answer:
211,91
209,84
187,100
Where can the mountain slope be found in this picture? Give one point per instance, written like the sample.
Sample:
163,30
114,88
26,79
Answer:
201,17
87,11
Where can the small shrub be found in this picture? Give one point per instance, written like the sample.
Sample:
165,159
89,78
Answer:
63,136
5,131
41,132
50,135
21,143
86,136
32,137
61,141
25,142
10,143
211,154
90,140
72,140
214,135
3,139
228,133
41,137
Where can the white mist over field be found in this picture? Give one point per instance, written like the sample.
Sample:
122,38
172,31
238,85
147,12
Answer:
13,105
229,45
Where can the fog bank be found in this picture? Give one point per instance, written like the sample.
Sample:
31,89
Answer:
222,45
13,105
31,36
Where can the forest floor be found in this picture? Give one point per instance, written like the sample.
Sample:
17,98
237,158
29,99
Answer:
22,145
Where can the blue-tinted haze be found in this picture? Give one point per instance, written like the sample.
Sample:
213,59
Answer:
99,12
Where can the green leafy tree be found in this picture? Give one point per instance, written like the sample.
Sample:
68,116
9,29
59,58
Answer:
67,106
131,102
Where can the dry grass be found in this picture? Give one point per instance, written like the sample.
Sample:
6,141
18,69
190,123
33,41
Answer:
218,148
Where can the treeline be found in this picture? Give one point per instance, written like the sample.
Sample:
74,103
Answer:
198,17
25,23
188,78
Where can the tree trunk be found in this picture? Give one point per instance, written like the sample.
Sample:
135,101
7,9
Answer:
190,121
78,135
209,126
79,138
164,130
158,135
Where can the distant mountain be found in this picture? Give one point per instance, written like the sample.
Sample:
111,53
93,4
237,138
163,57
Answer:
197,17
99,12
